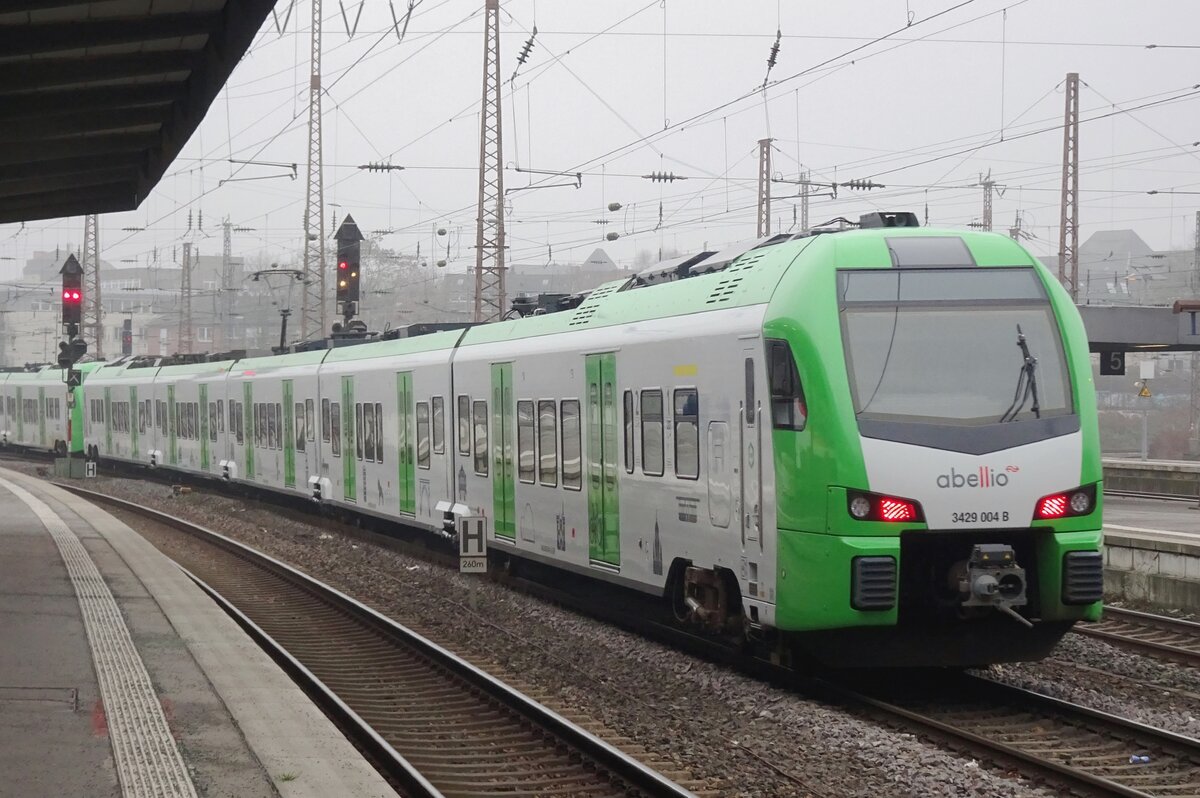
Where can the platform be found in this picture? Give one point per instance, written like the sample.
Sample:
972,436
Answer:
119,677
1152,552
1170,477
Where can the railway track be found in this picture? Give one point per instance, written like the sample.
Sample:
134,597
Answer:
1088,750
435,724
1157,635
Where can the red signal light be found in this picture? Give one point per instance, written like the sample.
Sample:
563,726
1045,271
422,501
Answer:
70,295
1053,506
343,265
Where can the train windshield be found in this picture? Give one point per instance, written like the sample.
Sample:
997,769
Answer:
947,347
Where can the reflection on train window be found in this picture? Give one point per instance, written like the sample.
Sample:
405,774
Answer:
572,466
378,432
548,443
526,456
358,430
369,431
299,422
325,424
687,433
309,427
464,425
335,428
788,408
628,407
481,438
439,425
652,433
423,434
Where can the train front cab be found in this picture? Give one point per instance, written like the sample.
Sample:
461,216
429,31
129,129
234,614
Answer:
908,536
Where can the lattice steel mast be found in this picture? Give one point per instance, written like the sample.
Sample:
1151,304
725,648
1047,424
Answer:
185,300
805,190
489,224
764,188
313,318
1068,231
93,316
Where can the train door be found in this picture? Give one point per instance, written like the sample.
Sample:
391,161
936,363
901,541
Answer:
503,487
42,417
248,426
604,538
750,423
20,415
349,475
172,431
205,420
108,420
135,422
406,479
288,434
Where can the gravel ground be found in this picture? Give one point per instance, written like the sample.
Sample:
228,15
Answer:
708,721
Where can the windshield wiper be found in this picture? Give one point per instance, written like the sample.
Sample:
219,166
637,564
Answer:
1026,384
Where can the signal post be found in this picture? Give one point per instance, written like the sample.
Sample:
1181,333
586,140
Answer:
349,270
70,351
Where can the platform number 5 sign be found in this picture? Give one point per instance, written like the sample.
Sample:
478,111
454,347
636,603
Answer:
1112,363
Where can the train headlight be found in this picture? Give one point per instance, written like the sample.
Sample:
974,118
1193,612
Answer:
860,507
1080,501
877,507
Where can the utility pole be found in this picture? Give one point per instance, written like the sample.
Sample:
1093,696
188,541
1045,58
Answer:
91,267
313,319
489,224
764,188
185,301
1068,227
805,182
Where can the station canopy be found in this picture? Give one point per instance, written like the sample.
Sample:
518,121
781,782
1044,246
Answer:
97,98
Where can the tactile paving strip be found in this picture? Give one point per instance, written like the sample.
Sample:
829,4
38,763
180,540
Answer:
148,762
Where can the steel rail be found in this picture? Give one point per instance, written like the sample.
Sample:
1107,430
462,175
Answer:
625,774
1160,636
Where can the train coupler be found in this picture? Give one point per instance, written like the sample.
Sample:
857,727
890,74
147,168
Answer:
992,578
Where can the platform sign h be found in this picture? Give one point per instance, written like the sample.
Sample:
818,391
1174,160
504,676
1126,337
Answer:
472,544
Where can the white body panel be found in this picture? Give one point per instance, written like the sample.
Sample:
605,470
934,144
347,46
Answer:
997,490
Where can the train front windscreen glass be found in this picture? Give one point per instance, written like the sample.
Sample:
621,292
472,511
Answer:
944,346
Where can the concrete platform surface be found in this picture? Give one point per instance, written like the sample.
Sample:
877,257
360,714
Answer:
1123,515
119,677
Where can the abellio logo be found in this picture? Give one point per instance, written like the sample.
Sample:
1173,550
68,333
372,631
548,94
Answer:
983,478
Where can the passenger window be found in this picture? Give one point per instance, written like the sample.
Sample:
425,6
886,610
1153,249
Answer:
239,418
628,407
788,408
309,427
464,425
369,431
687,433
481,438
751,408
548,443
439,428
358,430
298,421
277,425
652,433
572,464
378,432
213,415
220,415
526,455
335,428
325,423
423,434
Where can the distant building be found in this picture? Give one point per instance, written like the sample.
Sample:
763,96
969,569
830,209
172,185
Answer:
1116,267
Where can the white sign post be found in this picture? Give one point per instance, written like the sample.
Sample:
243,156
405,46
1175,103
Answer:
472,544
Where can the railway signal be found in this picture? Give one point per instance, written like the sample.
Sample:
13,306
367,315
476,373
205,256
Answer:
349,267
72,295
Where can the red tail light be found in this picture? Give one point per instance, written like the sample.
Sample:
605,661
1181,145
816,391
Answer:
1052,506
877,507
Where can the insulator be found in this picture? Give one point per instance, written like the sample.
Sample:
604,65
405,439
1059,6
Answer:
614,206
774,51
612,236
441,263
441,231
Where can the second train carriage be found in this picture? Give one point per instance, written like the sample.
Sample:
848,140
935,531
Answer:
765,445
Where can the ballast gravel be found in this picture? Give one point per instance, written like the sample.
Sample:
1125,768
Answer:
728,733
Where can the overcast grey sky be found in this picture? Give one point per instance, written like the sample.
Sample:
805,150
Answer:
621,88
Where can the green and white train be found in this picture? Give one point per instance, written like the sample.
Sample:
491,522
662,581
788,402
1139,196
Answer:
870,447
